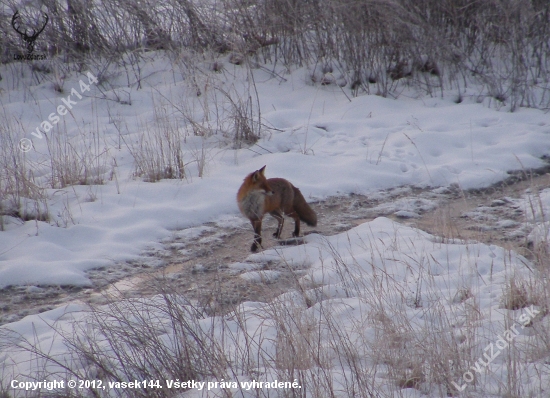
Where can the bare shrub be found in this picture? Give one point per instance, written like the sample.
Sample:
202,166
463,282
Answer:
378,45
158,152
230,110
515,295
20,195
119,347
245,125
79,160
428,44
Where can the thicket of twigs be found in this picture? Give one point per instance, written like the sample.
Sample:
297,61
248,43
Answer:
502,45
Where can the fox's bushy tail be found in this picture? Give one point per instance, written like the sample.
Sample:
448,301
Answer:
303,210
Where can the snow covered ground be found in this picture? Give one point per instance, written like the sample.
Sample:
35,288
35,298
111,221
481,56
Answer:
323,142
378,282
391,294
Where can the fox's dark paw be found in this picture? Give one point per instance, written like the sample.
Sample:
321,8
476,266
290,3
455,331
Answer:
254,247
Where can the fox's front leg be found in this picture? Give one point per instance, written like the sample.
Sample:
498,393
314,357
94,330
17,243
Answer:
257,225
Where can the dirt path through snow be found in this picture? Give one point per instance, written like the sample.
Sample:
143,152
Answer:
195,260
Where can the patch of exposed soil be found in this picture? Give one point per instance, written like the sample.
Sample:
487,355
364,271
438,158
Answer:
492,216
195,261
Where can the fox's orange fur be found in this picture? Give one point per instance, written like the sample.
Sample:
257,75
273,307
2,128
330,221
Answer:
276,196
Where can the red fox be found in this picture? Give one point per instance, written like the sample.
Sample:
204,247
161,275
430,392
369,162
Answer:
276,196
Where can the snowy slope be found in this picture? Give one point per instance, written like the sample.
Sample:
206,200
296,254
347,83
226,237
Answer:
391,293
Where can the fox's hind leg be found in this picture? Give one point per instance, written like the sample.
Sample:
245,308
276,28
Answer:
257,225
296,218
278,215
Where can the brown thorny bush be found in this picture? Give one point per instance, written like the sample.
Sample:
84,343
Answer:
373,43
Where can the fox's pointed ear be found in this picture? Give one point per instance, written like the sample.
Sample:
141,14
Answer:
262,170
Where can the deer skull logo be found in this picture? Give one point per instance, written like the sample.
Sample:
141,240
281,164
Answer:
28,38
